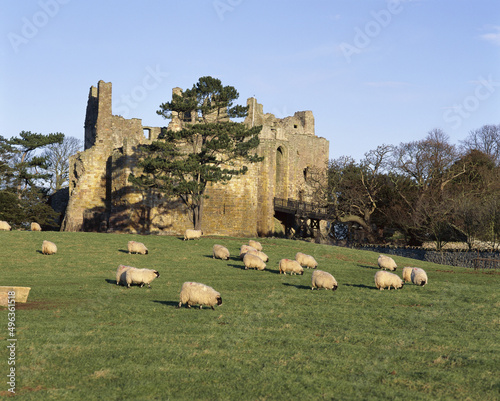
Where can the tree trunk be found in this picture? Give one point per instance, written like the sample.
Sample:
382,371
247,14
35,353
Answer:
198,214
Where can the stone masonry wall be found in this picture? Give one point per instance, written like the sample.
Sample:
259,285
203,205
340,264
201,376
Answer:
101,198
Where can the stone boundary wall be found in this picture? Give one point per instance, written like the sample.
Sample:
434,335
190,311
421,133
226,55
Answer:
448,257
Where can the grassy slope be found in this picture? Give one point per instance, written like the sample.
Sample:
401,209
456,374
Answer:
82,337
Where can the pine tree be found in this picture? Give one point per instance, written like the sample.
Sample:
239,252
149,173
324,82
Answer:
23,197
210,148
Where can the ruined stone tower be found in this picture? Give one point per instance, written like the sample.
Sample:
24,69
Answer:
102,199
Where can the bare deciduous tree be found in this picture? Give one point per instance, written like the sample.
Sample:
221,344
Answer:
485,139
58,161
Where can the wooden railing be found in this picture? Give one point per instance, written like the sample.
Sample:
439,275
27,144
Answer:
296,207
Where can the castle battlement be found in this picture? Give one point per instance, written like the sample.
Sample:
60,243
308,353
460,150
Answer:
102,199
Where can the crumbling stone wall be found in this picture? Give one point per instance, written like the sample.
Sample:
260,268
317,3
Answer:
101,199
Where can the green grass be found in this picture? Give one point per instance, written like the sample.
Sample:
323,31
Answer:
82,337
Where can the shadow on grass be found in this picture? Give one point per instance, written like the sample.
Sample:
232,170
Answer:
273,271
361,286
167,303
109,281
230,258
299,287
123,250
242,266
370,267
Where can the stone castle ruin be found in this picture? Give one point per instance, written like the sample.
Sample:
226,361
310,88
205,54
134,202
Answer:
102,199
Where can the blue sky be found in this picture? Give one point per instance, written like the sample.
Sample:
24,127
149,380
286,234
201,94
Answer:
373,72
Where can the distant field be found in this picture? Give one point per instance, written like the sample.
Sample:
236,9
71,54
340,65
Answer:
82,337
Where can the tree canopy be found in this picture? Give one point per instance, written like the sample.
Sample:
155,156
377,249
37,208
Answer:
208,148
427,190
23,175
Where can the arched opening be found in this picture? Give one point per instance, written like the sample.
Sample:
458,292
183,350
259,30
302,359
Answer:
280,191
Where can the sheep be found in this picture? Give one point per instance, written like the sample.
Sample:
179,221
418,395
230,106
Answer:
260,254
220,252
137,247
291,266
407,274
322,279
385,279
48,248
4,226
35,227
419,276
386,263
306,260
192,234
120,274
255,244
140,276
199,294
253,262
244,249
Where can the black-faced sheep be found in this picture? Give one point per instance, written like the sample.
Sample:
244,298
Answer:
4,226
244,249
322,279
407,274
255,244
199,294
49,248
140,276
192,234
253,262
220,252
35,227
306,260
419,276
384,279
120,274
260,254
137,247
386,263
290,266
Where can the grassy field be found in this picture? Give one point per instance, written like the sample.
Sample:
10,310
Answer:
82,337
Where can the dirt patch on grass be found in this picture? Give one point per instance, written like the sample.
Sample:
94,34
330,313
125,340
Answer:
22,390
37,305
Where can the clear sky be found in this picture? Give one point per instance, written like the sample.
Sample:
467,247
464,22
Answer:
373,72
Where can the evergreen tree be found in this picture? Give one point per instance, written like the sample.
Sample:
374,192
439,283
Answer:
209,149
23,196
